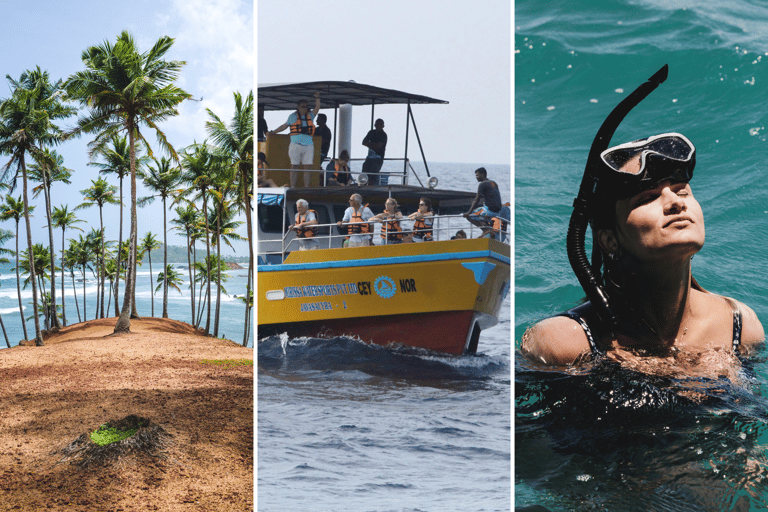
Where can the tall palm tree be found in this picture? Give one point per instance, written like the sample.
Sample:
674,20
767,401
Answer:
26,125
35,268
82,255
99,193
221,177
68,261
47,169
117,160
148,244
187,220
170,277
62,218
125,89
14,209
236,141
199,169
163,180
5,235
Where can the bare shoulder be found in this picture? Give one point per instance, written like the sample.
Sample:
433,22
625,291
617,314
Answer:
556,341
752,333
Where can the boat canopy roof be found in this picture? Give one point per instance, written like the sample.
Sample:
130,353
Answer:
285,96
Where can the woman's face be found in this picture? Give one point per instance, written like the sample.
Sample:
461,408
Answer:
662,223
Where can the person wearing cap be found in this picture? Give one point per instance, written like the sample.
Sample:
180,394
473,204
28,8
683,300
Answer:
487,203
325,134
655,317
301,150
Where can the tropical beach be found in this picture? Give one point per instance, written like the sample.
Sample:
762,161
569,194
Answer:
126,328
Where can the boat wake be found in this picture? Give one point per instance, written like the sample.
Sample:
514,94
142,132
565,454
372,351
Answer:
343,354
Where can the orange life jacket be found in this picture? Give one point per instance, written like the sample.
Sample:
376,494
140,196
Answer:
305,232
498,223
298,128
356,229
421,229
391,231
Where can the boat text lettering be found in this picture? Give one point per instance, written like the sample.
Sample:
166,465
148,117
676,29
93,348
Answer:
407,285
296,292
316,306
364,287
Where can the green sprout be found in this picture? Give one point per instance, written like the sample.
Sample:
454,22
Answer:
105,434
228,363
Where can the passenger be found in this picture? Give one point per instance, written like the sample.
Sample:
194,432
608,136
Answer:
340,175
391,232
305,219
422,225
263,128
646,310
354,216
261,165
324,133
376,142
486,205
460,235
302,149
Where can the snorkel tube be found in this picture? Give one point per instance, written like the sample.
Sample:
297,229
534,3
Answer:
589,276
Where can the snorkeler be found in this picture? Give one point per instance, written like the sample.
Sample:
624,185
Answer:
646,226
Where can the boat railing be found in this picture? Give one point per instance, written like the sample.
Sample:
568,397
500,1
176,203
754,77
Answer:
396,177
380,236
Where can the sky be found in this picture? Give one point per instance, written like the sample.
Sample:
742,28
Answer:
452,50
214,37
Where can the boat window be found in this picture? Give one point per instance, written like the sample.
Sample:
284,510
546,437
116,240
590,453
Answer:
338,211
270,218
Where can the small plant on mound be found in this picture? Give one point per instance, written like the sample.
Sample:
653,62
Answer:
114,440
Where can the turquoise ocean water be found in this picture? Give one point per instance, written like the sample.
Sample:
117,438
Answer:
574,61
231,316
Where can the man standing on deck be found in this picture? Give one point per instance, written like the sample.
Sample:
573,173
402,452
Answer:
355,215
376,142
325,134
302,148
489,200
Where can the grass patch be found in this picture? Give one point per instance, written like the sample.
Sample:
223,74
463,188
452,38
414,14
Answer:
105,434
228,363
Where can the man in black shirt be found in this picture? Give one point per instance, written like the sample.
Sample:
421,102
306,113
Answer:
323,131
487,202
263,128
376,142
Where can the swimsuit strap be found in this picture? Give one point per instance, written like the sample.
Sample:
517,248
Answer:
576,314
736,323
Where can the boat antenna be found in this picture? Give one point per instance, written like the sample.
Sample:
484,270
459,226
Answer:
587,275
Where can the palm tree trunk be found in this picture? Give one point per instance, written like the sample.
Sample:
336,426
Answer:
218,272
124,322
74,291
247,322
151,283
165,262
38,334
85,307
191,280
18,284
8,343
208,265
250,265
55,321
63,309
103,269
119,250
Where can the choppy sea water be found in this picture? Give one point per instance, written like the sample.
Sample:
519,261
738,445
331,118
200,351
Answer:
344,425
609,439
231,316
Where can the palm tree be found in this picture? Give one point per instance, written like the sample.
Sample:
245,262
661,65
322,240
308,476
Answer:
125,89
99,193
222,218
14,209
148,244
5,235
169,278
236,141
82,255
49,167
63,218
26,124
199,164
68,261
188,218
206,269
221,175
35,268
117,160
163,180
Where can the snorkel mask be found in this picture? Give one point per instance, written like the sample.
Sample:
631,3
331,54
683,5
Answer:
617,173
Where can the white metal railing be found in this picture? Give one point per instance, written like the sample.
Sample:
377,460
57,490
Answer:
438,233
398,176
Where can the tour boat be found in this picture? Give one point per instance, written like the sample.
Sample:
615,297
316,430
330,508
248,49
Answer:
437,295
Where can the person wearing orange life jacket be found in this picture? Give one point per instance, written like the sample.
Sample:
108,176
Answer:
354,217
340,175
305,219
391,232
422,225
302,149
